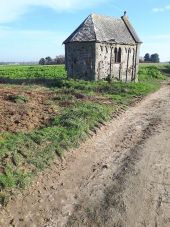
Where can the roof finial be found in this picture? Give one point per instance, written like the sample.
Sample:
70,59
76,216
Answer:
125,13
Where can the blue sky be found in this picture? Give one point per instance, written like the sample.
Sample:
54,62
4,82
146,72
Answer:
31,29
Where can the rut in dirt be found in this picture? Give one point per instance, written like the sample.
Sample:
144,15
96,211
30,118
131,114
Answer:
138,193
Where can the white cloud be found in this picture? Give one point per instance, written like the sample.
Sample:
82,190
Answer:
12,9
161,9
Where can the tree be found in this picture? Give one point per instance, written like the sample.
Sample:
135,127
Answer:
59,60
42,61
155,58
48,60
147,57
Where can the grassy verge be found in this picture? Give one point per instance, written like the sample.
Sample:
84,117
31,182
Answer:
84,106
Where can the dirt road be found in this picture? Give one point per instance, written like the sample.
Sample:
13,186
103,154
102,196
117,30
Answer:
119,177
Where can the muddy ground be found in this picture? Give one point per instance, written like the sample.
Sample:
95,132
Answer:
23,110
119,177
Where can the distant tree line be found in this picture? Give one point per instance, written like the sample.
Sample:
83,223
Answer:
58,60
152,58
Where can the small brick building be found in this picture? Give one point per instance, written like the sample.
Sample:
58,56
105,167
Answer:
103,46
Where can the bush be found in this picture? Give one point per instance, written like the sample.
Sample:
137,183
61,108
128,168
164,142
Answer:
150,73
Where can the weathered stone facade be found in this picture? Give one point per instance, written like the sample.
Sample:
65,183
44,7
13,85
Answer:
92,58
80,60
107,63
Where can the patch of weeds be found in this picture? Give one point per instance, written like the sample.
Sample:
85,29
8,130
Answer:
65,100
4,199
165,69
13,179
63,97
19,99
2,139
42,158
7,180
150,72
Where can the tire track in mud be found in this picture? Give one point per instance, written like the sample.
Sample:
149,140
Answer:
112,199
116,206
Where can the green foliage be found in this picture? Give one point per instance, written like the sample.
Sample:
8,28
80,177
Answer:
13,178
83,117
154,58
18,98
147,73
4,198
147,57
164,68
42,61
32,72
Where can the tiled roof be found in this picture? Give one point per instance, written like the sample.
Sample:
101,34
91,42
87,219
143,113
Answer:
104,29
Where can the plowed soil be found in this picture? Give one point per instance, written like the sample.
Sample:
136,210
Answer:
24,110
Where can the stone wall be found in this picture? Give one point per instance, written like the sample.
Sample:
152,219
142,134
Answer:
106,64
95,61
80,60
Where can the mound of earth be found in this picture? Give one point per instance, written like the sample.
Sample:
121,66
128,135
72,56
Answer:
25,110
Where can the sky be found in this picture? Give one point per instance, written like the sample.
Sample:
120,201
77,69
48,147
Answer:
31,29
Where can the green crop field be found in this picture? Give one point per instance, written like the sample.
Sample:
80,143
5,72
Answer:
60,115
32,72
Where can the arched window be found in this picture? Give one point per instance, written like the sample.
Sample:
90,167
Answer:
115,51
118,54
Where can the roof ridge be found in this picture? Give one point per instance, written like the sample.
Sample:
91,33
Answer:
94,25
101,15
131,29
